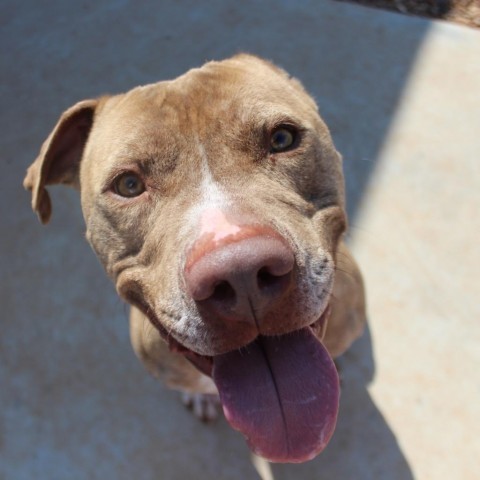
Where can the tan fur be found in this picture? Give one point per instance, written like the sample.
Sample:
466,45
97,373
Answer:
207,124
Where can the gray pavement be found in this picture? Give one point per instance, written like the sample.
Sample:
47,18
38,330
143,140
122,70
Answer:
402,98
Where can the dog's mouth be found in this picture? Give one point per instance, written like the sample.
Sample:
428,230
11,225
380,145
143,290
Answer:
281,392
205,363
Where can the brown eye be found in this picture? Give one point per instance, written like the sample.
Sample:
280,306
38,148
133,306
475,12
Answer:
282,139
129,185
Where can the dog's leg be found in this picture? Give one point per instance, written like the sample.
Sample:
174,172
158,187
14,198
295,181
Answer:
198,391
348,318
262,467
204,406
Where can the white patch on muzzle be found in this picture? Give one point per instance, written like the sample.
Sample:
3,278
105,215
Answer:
200,217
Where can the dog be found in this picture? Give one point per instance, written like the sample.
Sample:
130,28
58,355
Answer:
215,202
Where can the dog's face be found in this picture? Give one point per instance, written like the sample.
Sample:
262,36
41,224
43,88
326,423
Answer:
200,151
214,202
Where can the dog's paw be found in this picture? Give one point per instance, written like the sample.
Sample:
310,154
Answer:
204,406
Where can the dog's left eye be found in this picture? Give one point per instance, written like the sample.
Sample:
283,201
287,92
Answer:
129,185
282,139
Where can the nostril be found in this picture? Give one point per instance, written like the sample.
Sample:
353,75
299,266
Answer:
223,292
268,282
265,278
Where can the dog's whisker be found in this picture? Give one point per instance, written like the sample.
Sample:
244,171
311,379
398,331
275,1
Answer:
346,272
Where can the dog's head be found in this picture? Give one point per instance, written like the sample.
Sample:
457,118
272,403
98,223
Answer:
215,203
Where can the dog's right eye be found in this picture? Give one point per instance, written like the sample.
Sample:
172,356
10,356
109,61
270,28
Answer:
129,185
282,139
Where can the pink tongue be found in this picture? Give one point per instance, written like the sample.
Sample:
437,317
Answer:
282,393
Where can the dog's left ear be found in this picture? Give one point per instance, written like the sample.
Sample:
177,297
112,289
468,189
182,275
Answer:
60,156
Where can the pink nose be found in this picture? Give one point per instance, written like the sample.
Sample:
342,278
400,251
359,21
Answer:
241,277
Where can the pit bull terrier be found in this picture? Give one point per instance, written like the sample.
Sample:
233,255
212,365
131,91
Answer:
215,202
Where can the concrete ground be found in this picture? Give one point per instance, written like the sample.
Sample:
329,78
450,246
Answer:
402,98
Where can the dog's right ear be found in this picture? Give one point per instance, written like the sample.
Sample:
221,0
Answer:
60,156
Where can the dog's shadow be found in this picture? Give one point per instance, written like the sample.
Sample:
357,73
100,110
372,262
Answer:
363,446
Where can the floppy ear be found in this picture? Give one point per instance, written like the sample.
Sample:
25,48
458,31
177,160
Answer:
60,155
